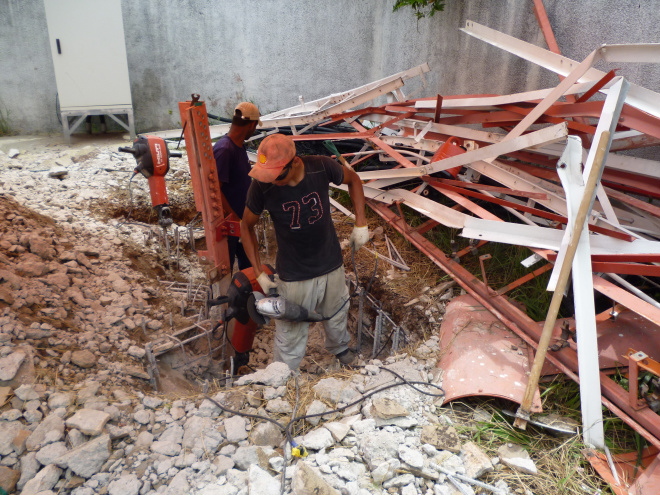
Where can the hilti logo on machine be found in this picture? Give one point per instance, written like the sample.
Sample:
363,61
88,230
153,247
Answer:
159,154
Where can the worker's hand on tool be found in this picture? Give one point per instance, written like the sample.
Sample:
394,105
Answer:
266,283
359,237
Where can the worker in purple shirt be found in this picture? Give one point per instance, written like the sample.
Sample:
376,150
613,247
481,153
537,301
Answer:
233,168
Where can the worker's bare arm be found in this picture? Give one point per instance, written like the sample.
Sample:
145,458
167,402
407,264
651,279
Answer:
356,193
249,239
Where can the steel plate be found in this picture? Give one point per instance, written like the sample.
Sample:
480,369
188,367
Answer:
480,356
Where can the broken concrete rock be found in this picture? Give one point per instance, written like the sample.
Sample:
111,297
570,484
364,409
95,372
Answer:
31,268
335,391
136,352
87,460
43,481
83,359
150,401
51,452
259,481
127,484
274,375
307,481
179,484
442,437
385,408
88,421
318,439
476,462
235,429
246,456
51,429
266,434
169,442
414,458
279,406
9,365
26,393
380,446
60,399
517,458
29,468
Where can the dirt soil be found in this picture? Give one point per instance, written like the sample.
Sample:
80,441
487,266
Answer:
390,287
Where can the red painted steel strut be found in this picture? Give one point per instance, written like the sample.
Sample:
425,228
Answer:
644,421
206,186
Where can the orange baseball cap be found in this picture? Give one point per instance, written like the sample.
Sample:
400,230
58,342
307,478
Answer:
247,111
272,156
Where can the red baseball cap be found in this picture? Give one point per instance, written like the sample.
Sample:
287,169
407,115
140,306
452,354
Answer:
274,152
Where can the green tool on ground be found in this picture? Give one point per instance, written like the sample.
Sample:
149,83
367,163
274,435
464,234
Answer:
333,149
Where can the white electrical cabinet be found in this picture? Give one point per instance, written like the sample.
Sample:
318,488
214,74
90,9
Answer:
89,57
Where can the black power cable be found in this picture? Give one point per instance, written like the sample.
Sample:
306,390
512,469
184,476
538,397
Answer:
286,429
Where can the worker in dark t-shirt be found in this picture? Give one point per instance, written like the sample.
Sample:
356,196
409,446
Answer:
294,190
233,167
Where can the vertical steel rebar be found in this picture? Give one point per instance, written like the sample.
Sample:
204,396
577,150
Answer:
224,338
360,317
377,330
229,381
176,240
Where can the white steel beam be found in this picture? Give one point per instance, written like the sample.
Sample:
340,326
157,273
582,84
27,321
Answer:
547,135
569,172
638,97
608,121
322,103
491,102
317,110
548,238
435,211
641,166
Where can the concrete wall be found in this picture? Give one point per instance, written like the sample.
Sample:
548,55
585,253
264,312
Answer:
272,51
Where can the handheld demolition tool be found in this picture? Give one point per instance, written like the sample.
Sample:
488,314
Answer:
251,308
153,162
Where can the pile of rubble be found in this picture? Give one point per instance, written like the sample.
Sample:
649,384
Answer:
395,441
72,315
68,306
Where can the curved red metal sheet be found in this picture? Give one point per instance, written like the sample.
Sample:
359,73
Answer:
480,356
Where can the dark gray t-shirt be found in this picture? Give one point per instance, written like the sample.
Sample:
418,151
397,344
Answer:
306,238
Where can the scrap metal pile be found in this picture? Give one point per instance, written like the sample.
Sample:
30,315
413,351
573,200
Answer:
530,155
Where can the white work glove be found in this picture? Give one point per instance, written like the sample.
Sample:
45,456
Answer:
359,237
266,283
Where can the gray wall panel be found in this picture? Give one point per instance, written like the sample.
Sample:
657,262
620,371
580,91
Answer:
272,51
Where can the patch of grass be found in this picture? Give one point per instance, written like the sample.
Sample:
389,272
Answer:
562,396
562,469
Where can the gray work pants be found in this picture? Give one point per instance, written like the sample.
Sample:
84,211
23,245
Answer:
325,295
